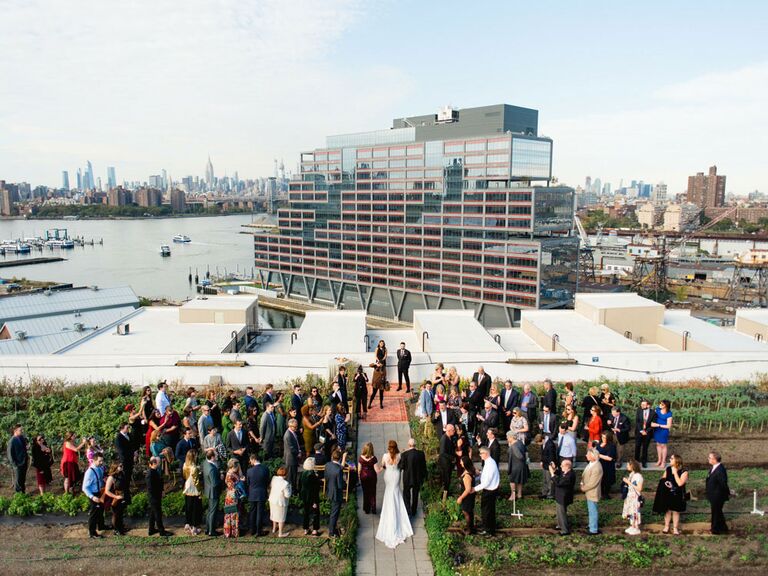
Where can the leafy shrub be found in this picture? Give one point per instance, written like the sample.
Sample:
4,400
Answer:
71,505
138,506
173,504
21,505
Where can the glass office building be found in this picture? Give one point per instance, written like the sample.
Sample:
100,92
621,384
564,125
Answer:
446,211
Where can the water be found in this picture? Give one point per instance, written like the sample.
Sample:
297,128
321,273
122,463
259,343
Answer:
131,255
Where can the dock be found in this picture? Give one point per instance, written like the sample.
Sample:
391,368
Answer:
28,261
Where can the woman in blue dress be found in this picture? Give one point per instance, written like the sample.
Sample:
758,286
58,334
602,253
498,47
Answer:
661,429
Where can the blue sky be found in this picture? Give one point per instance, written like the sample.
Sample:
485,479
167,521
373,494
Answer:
651,90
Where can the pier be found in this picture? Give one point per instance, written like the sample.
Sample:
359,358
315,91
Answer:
27,261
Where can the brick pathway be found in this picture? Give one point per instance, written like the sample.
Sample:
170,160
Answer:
373,558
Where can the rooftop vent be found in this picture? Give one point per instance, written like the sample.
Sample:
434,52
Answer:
79,326
21,335
95,288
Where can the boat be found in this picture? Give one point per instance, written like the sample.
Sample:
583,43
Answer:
165,250
63,244
16,247
181,238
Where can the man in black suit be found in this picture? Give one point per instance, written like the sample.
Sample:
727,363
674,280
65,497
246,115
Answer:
494,448
442,417
297,400
403,364
269,395
212,480
621,426
413,463
257,479
488,419
155,492
341,379
188,442
335,398
550,396
18,458
548,425
510,398
475,400
643,431
548,456
292,452
483,381
237,444
334,490
565,483
718,492
446,458
125,451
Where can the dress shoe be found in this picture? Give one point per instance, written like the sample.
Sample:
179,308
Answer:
594,533
94,536
152,532
166,533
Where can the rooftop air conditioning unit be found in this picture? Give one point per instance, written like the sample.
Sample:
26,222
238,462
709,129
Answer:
79,326
21,335
95,288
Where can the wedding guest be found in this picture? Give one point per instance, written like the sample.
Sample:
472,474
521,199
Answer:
193,406
643,431
489,486
548,424
269,395
297,400
268,431
493,444
569,399
361,392
380,355
162,401
212,487
291,452
328,432
718,492
608,454
18,458
550,396
342,426
403,365
548,456
529,404
452,378
231,510
438,377
309,491
193,493
187,443
226,423
153,430
213,442
42,461
453,402
425,406
93,483
671,494
252,425
633,502
566,444
510,398
279,496
620,426
69,461
368,477
488,419
445,458
442,418
571,419
661,428
146,408
607,401
250,400
594,425
590,401
212,402
564,480
154,482
466,499
258,479
113,498
517,468
314,393
378,383
413,463
309,422
590,485
341,380
518,426
482,380
495,398
205,422
334,489
92,448
237,444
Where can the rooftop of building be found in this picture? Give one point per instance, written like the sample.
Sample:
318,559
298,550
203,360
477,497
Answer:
54,302
220,303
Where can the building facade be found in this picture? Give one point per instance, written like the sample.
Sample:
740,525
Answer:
681,217
178,200
707,191
452,210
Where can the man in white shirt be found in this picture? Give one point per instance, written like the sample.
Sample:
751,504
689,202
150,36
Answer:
489,485
161,400
566,444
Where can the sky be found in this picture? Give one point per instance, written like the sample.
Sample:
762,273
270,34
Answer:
627,90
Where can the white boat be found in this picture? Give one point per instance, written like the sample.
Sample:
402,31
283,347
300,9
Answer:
63,244
165,250
15,247
181,238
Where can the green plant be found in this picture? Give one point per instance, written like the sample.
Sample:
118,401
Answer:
138,506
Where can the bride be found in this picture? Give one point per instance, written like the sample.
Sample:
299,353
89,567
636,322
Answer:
394,524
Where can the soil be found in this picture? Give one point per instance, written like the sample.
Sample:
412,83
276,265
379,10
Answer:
36,549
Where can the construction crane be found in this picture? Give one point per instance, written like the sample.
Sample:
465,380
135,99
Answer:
586,255
649,275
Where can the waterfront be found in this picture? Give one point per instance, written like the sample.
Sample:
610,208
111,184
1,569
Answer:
131,255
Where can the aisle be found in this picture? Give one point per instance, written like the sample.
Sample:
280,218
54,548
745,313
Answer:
394,409
373,558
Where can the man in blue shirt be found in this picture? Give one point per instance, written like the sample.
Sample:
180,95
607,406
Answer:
93,483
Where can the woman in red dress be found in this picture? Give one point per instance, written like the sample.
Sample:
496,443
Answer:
69,460
368,478
152,424
595,426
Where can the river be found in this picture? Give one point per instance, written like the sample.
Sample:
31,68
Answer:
131,256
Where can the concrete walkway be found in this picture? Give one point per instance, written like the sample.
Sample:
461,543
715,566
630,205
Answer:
373,558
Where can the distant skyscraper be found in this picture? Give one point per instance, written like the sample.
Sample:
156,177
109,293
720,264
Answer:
607,189
64,180
111,178
706,191
79,179
660,194
156,182
597,186
588,183
165,178
90,180
209,176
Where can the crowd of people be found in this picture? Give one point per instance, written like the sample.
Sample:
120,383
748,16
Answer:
216,445
472,421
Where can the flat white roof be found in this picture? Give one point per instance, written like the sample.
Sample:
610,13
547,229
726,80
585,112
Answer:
578,334
616,300
759,315
221,302
713,337
331,332
158,331
454,331
515,340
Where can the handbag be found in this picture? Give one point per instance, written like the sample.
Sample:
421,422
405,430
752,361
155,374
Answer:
624,491
386,385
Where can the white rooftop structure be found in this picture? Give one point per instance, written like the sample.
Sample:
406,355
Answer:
52,302
328,332
569,331
452,331
681,332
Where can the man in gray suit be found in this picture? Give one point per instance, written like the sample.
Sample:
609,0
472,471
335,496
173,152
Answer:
292,452
212,491
334,490
267,431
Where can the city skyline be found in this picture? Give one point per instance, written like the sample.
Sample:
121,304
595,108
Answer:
248,93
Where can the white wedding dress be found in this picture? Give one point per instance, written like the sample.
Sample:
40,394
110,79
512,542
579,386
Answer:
394,524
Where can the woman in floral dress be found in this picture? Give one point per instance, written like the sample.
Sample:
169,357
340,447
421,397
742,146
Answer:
231,515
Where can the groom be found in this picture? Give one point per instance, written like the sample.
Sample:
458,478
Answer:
413,463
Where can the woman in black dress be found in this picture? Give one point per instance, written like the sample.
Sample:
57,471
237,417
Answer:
309,491
670,494
213,404
608,455
42,460
467,498
381,353
316,397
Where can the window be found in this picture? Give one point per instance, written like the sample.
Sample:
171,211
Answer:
414,162
475,146
381,153
498,145
452,148
395,164
475,159
493,158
